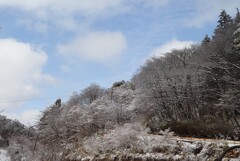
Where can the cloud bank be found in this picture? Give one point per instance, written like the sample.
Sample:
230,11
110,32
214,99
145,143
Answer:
96,46
21,70
85,7
28,118
169,46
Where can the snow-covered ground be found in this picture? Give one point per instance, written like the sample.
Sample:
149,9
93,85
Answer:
4,156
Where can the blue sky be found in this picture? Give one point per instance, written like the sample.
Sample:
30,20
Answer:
50,48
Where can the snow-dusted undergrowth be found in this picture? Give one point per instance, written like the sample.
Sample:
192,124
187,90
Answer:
4,156
133,141
108,130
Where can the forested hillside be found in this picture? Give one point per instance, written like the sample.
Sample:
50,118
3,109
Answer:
195,86
190,92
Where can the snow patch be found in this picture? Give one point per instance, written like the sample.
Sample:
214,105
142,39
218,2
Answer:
4,156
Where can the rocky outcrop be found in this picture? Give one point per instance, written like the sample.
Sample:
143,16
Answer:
118,84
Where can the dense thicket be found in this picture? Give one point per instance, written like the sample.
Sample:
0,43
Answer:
197,83
92,111
13,128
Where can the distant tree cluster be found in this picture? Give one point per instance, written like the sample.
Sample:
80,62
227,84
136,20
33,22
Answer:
86,96
92,111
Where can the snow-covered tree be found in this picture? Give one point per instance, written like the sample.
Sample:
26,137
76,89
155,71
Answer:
236,36
86,96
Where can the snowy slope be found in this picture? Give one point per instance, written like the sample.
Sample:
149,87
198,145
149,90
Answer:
4,156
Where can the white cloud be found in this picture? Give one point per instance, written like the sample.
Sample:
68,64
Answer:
84,6
63,14
169,46
65,68
98,46
21,70
63,7
28,118
39,26
153,3
208,11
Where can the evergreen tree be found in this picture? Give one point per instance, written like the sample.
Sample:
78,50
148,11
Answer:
224,27
224,20
206,40
236,36
217,73
237,18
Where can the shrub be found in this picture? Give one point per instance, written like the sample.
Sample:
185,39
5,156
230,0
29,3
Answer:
200,128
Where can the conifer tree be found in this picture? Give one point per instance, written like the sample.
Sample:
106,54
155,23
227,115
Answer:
206,40
236,34
224,20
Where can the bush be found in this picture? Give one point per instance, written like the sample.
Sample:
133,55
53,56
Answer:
200,128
